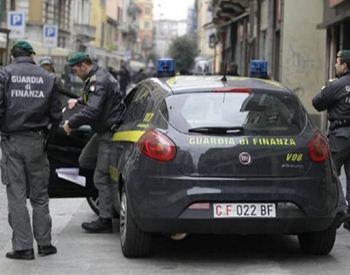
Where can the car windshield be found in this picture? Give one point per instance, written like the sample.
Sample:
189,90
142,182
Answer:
262,113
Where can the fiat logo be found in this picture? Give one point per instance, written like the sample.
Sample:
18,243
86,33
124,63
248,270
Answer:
245,158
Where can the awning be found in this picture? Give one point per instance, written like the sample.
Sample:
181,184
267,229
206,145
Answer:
334,20
212,25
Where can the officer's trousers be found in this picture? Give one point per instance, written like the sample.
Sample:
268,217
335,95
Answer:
25,170
96,154
340,147
340,159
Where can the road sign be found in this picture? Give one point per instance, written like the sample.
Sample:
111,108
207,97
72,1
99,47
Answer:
50,35
16,22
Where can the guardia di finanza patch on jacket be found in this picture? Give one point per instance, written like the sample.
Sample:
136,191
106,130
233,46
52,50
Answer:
26,83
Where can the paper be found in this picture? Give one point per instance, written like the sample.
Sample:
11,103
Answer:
72,175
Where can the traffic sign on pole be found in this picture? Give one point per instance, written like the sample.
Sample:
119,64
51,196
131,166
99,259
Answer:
50,35
16,22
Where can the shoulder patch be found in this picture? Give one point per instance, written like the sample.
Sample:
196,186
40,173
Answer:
93,78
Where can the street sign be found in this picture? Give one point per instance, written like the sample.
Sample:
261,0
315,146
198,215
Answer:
16,22
50,35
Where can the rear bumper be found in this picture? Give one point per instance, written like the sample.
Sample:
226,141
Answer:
160,204
234,226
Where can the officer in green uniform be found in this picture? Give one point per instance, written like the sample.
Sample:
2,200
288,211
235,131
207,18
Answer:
29,106
335,98
102,107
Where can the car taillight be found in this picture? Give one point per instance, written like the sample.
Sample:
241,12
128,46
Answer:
318,148
233,90
157,146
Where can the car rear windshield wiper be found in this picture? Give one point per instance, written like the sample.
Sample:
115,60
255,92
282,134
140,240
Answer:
221,130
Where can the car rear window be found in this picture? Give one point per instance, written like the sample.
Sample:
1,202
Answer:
263,113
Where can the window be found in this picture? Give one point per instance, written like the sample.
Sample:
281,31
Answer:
260,113
140,103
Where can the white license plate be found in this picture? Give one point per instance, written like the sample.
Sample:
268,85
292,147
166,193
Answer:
244,210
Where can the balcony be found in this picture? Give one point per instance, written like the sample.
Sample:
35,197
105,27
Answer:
84,32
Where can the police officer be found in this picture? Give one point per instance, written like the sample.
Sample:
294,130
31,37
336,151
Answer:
335,98
232,69
103,106
47,63
29,104
124,77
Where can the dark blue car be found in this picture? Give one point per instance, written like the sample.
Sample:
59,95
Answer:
196,154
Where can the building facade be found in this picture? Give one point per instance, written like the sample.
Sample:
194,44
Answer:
83,33
206,49
145,29
275,31
5,6
336,22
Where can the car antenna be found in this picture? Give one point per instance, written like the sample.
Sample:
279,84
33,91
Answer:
224,79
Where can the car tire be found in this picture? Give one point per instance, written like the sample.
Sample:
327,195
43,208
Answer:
134,242
318,243
93,203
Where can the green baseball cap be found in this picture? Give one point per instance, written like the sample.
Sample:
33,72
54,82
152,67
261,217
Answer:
77,57
344,54
25,46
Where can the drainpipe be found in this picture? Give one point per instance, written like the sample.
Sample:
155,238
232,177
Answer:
270,36
258,27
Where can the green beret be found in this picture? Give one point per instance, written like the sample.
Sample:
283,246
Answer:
24,45
77,57
344,54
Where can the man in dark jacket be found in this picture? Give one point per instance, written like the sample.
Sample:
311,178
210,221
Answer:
124,77
103,106
29,106
335,98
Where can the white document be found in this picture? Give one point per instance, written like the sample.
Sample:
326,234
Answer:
72,175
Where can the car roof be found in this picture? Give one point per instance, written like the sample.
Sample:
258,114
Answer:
185,84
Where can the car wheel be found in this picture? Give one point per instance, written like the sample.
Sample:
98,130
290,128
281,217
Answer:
93,203
134,242
318,243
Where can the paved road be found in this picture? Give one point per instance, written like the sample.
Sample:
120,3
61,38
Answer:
81,253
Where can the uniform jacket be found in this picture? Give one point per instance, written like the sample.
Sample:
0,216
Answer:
335,98
28,97
103,102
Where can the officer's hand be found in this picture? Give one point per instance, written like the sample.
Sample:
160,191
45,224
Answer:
72,102
66,128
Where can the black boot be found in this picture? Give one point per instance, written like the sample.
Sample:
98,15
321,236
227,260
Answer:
346,224
342,217
101,225
44,250
27,254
